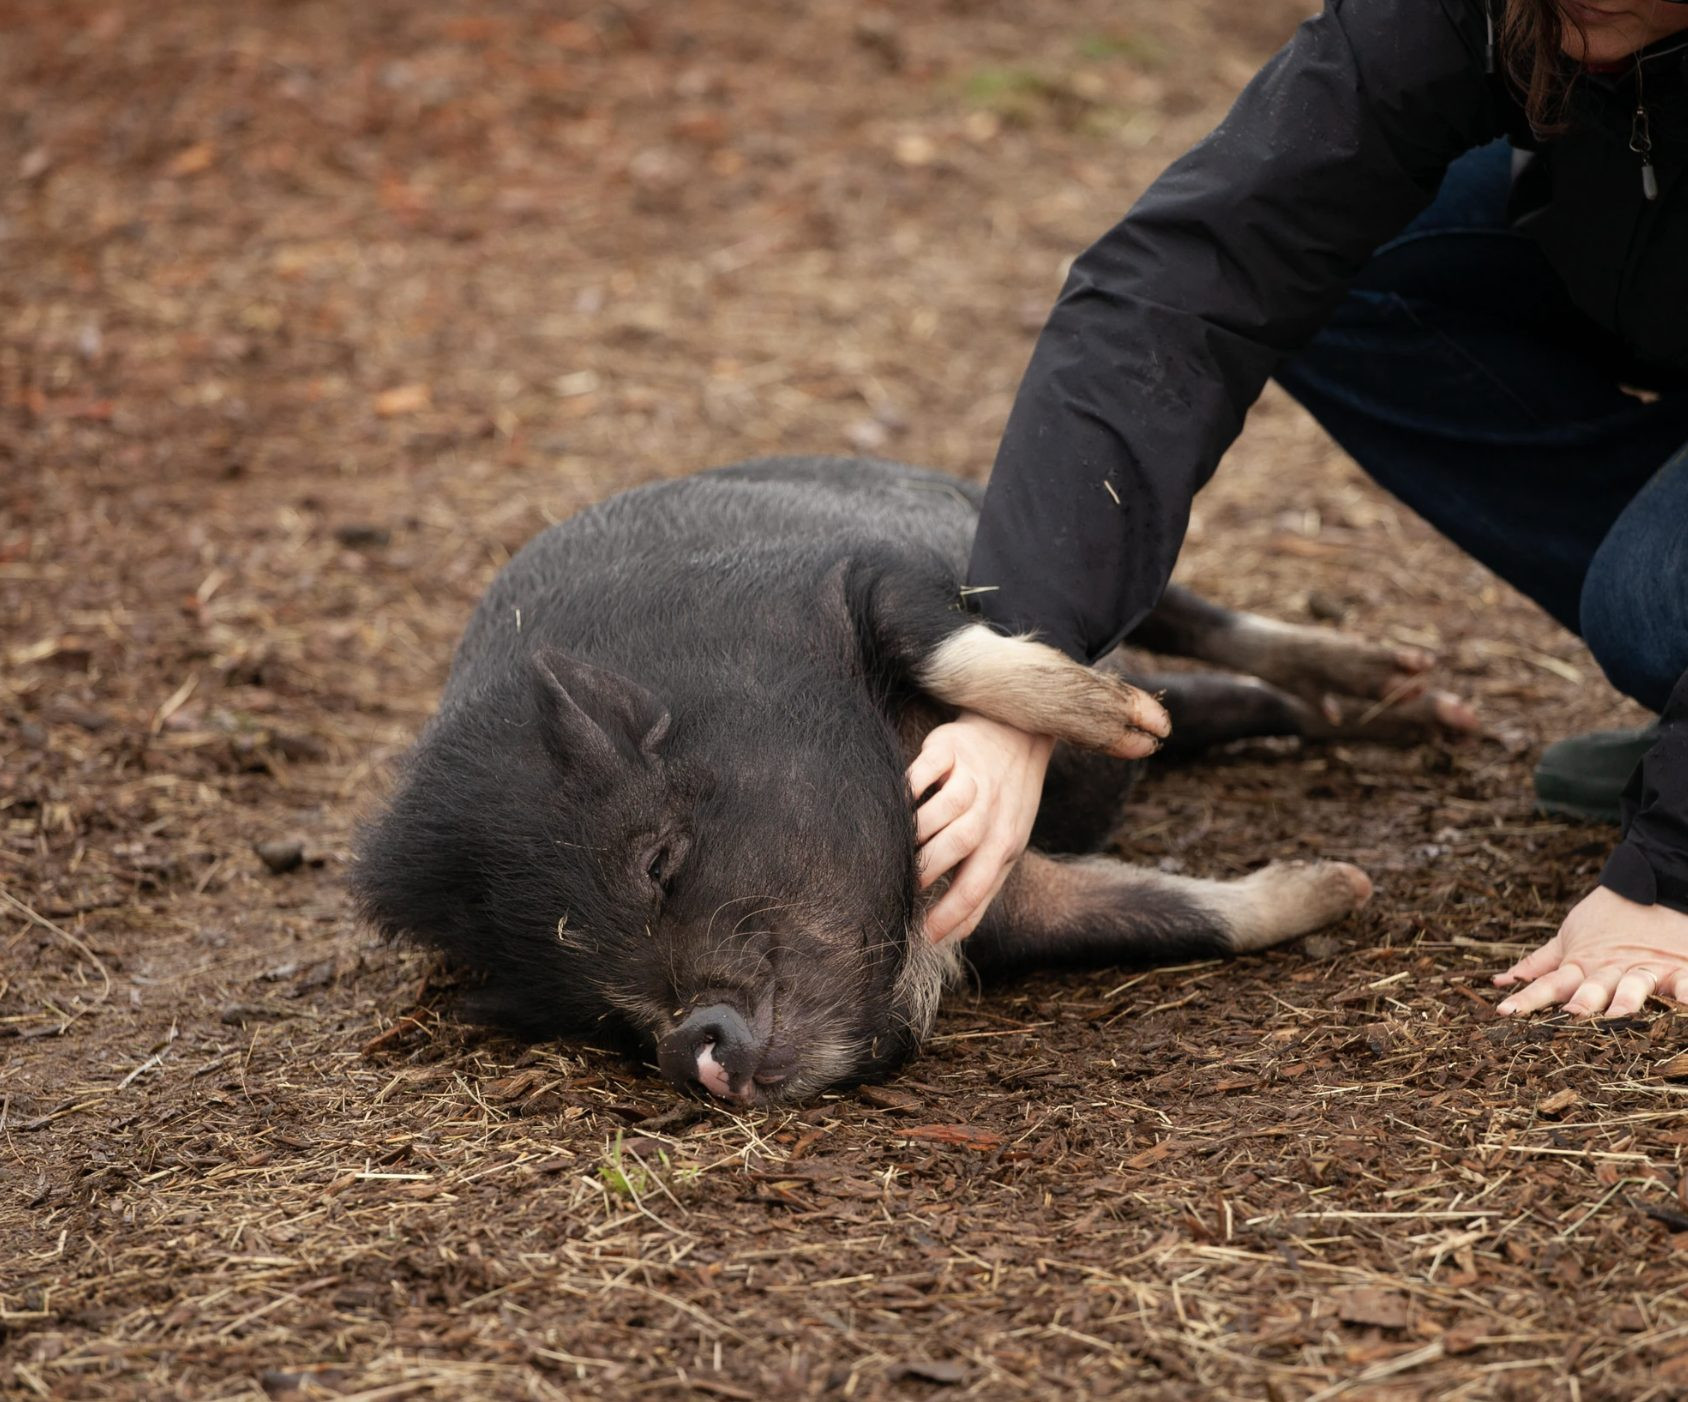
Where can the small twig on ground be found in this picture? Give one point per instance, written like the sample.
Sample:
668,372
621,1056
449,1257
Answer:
63,934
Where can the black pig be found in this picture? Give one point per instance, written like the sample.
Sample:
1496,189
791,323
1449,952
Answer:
664,799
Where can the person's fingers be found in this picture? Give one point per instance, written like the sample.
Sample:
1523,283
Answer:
1673,984
1533,965
976,883
1550,988
1634,989
950,916
1595,991
936,759
972,922
956,796
951,846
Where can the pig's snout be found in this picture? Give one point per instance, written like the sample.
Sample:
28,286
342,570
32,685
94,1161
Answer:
717,1048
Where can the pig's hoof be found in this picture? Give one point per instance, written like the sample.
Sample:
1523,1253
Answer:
1407,719
1287,899
1308,661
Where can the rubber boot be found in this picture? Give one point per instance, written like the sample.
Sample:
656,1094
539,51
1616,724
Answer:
1583,776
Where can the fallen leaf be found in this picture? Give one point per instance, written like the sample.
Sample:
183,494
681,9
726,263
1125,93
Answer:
339,1185
962,1136
804,1144
403,399
1150,1157
1367,1304
192,161
513,1087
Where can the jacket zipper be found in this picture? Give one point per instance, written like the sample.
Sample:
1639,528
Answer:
1641,138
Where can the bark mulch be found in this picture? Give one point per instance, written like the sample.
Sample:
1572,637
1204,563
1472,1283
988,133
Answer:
310,314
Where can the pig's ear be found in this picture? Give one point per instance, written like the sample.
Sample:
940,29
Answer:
592,712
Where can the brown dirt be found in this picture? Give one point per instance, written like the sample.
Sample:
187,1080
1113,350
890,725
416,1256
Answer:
309,314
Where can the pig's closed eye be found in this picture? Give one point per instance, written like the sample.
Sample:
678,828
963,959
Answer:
662,860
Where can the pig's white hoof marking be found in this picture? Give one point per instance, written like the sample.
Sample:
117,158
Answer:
1287,899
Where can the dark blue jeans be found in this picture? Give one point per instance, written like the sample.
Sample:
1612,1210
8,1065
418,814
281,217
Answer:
1459,375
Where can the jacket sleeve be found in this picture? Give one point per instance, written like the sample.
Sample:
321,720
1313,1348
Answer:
1650,865
1169,326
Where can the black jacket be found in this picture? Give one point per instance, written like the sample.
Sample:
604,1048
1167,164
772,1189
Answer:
1170,325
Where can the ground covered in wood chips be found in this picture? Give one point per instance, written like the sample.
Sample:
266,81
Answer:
311,313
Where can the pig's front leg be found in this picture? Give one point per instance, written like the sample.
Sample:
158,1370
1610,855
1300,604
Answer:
1098,911
908,615
1039,689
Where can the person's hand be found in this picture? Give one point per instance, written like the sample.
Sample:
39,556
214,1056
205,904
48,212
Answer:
977,822
1610,956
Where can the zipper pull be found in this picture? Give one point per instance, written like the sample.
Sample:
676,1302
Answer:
1641,142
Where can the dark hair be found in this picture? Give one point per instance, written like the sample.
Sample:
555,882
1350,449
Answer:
1531,53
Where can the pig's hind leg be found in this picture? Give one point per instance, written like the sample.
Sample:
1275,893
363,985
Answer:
1097,911
1209,709
1335,684
1085,794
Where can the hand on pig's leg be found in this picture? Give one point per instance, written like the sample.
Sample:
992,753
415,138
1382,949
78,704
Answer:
1609,956
978,818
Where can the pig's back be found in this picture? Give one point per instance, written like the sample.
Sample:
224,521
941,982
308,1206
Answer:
864,500
789,503
731,563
